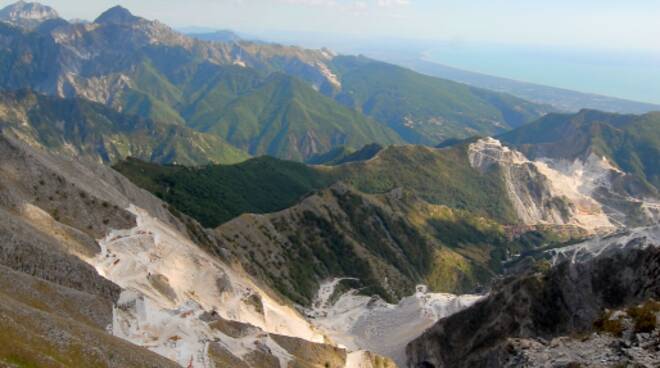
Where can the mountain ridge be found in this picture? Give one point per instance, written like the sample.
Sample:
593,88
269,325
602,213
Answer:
561,98
100,293
27,14
81,127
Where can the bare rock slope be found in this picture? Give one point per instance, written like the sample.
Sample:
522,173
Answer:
96,272
566,300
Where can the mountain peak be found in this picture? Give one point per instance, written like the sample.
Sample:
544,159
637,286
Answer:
27,15
117,15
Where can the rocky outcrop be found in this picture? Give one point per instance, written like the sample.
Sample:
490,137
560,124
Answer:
628,143
622,338
51,217
565,300
582,192
528,190
42,322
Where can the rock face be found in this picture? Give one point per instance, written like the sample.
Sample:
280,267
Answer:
176,312
52,210
27,248
565,300
529,191
581,192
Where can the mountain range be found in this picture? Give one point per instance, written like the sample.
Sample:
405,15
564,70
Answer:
262,98
386,242
170,200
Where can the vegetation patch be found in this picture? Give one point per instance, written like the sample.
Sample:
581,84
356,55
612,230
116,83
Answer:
215,194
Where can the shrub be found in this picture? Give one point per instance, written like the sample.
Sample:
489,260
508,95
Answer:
644,316
608,325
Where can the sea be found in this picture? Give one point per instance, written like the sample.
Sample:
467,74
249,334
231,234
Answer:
628,74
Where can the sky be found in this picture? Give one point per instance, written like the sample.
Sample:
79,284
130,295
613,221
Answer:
613,24
610,47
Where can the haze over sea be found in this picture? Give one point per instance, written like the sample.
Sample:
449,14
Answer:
628,74
632,75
